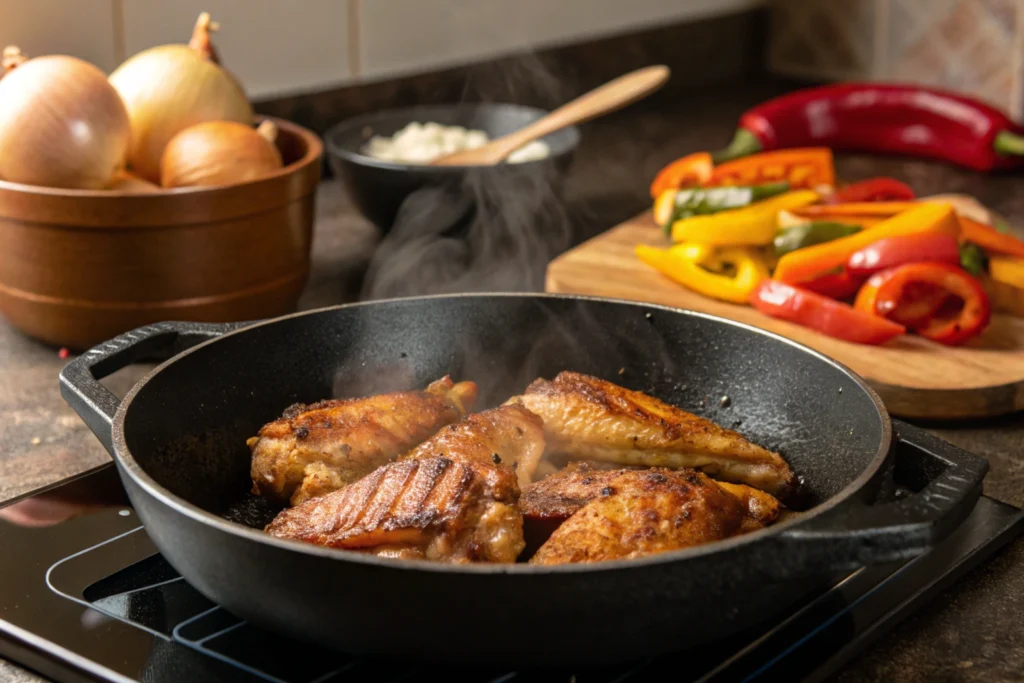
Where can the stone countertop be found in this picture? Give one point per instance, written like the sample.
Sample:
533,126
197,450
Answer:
972,632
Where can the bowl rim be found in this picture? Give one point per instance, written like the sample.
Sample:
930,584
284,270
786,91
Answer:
314,150
335,149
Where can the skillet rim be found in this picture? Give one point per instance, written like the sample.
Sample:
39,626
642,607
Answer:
128,464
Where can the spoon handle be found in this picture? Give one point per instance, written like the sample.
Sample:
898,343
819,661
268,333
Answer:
605,99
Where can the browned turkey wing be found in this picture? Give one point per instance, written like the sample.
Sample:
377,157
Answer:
315,449
589,418
509,435
546,504
451,499
432,508
643,512
762,508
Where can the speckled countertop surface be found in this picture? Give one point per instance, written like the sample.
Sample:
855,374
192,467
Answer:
972,632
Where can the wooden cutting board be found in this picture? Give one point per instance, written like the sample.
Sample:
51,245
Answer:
915,377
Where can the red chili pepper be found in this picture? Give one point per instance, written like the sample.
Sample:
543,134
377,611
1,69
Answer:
883,118
820,313
841,285
895,251
873,190
891,293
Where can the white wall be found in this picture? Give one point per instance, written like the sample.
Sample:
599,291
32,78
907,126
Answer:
279,47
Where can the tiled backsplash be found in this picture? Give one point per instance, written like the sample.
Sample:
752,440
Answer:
278,47
975,46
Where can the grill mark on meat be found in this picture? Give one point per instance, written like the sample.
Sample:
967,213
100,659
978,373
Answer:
441,506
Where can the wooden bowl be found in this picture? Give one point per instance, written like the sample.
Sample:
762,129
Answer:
78,267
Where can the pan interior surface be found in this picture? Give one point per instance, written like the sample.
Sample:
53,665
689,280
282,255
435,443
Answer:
187,425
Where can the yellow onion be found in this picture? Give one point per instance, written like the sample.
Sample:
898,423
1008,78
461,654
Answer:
219,153
12,57
126,182
171,87
61,124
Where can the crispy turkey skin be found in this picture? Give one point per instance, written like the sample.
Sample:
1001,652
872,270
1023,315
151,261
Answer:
451,499
509,435
315,449
433,508
644,512
547,503
590,418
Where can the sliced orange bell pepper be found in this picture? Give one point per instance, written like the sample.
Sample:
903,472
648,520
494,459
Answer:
990,239
880,209
803,168
692,170
809,262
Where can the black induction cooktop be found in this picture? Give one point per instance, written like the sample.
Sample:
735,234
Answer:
84,596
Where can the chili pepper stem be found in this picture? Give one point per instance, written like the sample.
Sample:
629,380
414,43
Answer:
1009,143
744,143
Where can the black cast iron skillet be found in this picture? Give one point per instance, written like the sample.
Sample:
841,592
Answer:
179,436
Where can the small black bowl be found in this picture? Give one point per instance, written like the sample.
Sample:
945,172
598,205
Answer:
379,188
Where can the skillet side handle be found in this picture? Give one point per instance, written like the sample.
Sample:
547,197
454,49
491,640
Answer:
94,403
900,530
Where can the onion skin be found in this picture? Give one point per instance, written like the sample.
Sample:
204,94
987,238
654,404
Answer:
218,153
12,58
126,182
61,125
167,89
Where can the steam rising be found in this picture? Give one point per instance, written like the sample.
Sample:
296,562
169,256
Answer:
491,230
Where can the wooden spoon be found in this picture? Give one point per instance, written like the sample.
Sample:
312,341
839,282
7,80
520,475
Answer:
603,100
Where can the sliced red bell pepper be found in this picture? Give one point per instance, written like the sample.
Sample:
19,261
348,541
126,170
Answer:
691,171
841,285
820,313
987,237
918,304
904,292
809,262
934,247
873,190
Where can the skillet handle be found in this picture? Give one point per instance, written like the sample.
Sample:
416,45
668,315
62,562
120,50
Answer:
950,480
94,403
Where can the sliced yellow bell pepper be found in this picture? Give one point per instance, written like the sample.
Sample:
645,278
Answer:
751,225
682,264
1007,269
809,262
698,253
1005,298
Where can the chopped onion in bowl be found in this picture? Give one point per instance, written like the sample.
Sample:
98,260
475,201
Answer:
421,143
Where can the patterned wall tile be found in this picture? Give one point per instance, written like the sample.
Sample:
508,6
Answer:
834,39
973,46
966,45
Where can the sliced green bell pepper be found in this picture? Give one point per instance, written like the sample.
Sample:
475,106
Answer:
800,236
